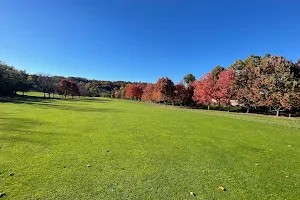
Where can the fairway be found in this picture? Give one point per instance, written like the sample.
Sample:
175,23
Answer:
143,151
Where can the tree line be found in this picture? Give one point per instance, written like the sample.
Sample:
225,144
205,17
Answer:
13,80
268,83
261,84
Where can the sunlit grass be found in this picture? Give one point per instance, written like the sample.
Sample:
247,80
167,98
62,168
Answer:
143,151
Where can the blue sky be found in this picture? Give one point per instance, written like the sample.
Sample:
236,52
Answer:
143,39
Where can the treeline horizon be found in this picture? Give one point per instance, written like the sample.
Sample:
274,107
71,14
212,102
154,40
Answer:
13,80
256,84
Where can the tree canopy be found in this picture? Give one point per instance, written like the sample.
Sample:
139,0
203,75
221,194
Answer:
257,83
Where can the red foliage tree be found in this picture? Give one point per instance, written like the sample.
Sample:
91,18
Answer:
205,90
139,91
148,93
164,90
59,90
293,99
226,86
134,91
129,93
65,87
182,94
190,94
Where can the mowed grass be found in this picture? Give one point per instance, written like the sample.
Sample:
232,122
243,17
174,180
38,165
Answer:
143,151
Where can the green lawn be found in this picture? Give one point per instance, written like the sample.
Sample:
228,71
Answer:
143,151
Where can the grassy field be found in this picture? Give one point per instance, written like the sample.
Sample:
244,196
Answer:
143,151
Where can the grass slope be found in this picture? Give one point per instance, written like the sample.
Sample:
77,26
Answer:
143,151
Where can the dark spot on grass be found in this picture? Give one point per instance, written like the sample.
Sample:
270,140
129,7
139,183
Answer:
107,151
2,194
11,174
64,166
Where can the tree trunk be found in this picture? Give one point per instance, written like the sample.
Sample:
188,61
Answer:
65,96
23,93
72,96
208,107
248,109
44,95
49,95
277,112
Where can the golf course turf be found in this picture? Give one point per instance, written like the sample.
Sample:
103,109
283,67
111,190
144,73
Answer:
98,148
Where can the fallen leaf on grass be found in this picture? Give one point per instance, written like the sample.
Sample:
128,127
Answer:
222,188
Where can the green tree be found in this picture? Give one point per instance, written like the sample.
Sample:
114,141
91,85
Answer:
252,61
6,84
23,84
94,91
47,84
237,65
216,71
189,78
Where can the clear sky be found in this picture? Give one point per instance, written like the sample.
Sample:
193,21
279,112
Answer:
143,39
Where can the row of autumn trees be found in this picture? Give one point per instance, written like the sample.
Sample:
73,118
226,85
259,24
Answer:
164,90
257,83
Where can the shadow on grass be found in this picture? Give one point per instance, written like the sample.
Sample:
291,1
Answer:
16,130
89,99
75,108
54,103
32,99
